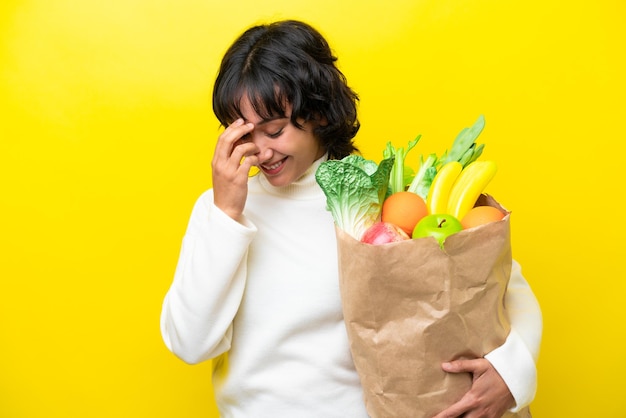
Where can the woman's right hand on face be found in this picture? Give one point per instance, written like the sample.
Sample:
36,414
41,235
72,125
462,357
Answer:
234,157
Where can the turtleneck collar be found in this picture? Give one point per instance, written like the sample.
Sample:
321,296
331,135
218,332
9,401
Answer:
305,187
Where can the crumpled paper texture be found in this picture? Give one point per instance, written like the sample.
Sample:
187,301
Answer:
409,306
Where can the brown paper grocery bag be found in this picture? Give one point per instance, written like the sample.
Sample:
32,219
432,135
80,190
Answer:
409,306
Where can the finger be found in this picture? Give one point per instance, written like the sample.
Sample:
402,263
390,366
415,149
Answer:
231,136
248,162
229,160
456,410
229,139
242,151
464,366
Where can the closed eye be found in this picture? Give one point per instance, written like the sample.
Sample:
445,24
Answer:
275,134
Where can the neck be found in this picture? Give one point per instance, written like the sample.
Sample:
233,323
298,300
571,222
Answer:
305,187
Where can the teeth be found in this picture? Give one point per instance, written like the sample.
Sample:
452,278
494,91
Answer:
274,166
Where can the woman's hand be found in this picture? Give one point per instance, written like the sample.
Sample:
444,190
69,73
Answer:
489,396
232,161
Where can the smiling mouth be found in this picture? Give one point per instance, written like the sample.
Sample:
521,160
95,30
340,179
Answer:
273,168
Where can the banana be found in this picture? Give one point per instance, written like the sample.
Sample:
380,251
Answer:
468,186
437,199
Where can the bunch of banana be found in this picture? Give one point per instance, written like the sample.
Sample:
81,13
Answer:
455,189
440,188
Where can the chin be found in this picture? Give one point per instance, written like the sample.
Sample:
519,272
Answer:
279,181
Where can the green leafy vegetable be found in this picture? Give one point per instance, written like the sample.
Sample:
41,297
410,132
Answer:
355,189
400,175
464,144
368,166
464,150
424,176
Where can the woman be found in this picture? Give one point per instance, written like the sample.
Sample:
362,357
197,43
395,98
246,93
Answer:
256,286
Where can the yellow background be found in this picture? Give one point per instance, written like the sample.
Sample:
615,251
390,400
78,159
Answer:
106,137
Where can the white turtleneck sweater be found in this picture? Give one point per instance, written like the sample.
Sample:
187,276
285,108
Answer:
266,293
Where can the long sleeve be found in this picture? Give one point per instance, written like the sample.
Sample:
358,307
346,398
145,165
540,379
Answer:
266,291
209,281
516,359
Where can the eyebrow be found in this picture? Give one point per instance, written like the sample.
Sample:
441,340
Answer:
271,119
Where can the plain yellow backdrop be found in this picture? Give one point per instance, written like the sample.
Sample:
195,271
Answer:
106,136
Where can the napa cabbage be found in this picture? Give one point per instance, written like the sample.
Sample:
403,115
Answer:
355,189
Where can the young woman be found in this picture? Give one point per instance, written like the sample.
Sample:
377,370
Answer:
256,286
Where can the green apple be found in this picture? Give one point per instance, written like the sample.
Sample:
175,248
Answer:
440,226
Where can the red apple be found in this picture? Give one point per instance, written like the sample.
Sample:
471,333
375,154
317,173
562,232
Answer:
383,233
440,226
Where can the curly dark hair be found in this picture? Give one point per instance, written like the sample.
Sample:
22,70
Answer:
289,63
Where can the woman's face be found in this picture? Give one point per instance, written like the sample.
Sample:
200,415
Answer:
285,151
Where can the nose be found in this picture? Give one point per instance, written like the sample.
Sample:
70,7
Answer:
265,152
